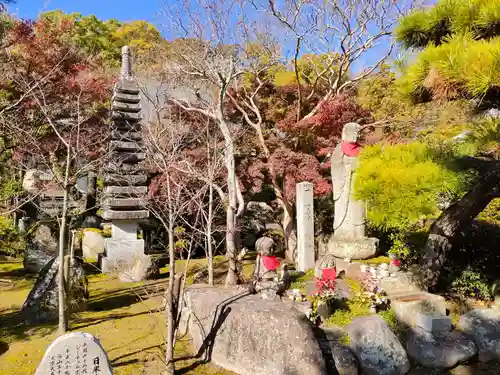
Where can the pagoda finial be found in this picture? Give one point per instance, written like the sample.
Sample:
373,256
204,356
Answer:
126,63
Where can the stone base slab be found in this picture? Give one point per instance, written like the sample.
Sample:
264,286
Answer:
407,306
363,248
120,254
433,323
401,283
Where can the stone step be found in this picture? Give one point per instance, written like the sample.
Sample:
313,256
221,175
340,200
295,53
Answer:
132,169
119,179
109,214
125,146
127,87
125,191
127,136
127,116
126,107
129,157
124,97
124,203
127,126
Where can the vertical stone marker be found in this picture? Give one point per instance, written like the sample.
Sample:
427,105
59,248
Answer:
75,353
305,226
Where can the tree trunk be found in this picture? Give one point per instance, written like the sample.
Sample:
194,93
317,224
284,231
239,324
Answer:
289,231
231,209
452,220
209,236
170,291
63,319
91,206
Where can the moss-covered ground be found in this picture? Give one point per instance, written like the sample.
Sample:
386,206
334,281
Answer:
126,318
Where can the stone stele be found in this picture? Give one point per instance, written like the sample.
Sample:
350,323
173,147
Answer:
76,353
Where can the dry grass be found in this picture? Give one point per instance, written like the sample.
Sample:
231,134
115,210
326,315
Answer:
125,318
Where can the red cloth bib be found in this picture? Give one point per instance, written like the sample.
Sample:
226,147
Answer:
350,149
271,263
396,262
329,274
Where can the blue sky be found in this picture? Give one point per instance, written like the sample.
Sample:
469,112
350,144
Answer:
123,10
128,10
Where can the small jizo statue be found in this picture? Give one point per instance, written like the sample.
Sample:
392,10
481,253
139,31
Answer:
265,275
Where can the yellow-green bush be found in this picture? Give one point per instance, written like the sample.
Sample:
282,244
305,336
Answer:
402,184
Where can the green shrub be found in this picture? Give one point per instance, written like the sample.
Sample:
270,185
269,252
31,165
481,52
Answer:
11,241
471,283
405,248
402,184
10,189
491,213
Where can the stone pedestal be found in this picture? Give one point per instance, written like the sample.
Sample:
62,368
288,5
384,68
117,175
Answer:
92,244
345,248
120,254
305,227
406,307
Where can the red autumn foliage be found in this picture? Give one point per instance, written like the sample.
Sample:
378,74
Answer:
297,148
53,80
320,133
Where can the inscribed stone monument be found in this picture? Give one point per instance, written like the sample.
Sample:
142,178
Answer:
305,226
76,353
349,239
125,179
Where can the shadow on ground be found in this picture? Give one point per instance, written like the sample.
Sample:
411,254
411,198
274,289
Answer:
14,326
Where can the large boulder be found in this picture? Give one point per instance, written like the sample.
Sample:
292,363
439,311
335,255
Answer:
483,325
344,360
377,348
250,336
443,350
42,303
41,247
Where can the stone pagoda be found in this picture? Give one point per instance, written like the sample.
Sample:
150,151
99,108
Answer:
124,179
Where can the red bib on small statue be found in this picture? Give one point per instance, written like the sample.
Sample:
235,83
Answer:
270,262
329,273
350,149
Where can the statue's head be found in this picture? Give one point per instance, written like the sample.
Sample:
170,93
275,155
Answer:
265,246
350,132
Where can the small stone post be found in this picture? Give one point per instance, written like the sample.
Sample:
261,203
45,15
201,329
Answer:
305,227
